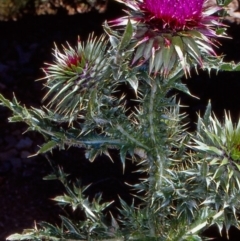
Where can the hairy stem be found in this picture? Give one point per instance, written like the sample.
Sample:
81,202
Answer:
156,165
153,169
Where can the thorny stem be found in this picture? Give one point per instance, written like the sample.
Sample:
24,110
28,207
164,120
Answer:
159,166
155,161
151,116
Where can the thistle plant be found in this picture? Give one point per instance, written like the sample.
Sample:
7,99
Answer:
192,178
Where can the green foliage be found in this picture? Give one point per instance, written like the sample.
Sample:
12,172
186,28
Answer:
192,179
217,146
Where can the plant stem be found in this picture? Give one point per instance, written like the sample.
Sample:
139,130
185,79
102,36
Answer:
155,165
155,160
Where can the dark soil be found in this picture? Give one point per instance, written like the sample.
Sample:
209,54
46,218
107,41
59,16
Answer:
24,47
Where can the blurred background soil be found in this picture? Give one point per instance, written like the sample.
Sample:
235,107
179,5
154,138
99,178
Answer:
25,45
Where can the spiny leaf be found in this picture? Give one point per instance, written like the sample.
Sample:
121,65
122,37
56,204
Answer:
71,228
123,153
178,45
170,68
47,147
6,102
133,81
63,199
192,49
139,52
158,61
207,113
127,36
184,89
114,41
167,57
148,49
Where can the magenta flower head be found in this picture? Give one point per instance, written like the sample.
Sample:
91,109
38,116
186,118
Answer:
172,32
174,14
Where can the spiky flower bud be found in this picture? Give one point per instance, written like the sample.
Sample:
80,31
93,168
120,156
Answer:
74,74
172,32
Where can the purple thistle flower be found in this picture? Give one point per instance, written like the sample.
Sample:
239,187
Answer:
175,14
169,32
